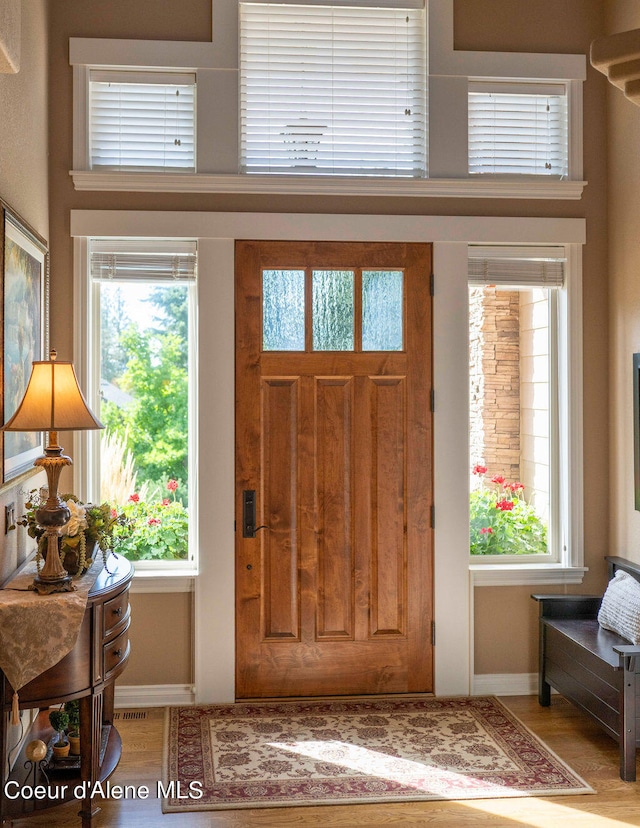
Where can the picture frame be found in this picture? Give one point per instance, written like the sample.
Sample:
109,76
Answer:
24,327
636,429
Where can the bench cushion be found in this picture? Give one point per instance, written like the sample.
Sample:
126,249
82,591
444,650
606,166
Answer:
620,608
589,634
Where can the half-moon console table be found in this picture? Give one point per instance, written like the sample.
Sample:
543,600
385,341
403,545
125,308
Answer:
87,673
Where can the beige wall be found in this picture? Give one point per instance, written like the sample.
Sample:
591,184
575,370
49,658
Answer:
161,653
24,187
624,282
543,25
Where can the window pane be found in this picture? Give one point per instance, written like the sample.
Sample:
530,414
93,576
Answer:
509,424
144,405
283,310
332,90
142,126
333,310
382,310
518,133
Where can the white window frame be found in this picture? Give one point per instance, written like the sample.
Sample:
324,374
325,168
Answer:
158,576
566,461
217,118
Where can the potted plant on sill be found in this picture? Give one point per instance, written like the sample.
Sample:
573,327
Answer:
59,720
72,708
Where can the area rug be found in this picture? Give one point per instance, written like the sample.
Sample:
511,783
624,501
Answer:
337,752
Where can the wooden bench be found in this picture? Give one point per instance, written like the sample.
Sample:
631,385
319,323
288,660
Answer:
595,669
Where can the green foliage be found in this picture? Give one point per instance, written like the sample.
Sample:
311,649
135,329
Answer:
503,523
59,720
160,531
174,311
114,321
155,424
72,709
151,431
89,524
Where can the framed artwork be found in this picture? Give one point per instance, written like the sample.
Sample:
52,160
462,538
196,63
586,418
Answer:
636,429
25,331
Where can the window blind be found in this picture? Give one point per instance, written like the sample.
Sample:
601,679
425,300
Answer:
518,129
142,120
156,260
516,272
332,90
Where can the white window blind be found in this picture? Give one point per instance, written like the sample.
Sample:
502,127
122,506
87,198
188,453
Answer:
142,120
518,129
333,90
157,260
503,268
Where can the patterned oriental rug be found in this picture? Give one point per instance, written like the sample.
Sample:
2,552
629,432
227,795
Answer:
266,755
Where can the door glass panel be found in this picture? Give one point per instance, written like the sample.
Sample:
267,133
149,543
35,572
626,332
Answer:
382,310
283,310
333,310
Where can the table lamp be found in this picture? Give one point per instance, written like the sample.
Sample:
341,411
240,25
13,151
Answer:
53,402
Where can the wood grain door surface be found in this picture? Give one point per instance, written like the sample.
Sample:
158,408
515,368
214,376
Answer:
334,597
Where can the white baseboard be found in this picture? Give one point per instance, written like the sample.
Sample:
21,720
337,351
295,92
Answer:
154,695
164,695
506,684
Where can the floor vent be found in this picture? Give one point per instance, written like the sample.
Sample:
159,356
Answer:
130,714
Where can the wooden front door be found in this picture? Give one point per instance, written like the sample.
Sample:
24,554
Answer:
334,456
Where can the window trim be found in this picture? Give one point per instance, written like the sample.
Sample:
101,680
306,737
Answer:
217,91
167,576
214,609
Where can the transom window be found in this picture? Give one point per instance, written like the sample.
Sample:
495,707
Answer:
517,128
332,89
142,120
332,310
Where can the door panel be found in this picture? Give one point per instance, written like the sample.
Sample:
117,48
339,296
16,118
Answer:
334,596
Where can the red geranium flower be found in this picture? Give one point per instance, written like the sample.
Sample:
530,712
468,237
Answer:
114,514
166,501
505,505
515,487
154,522
172,485
479,469
486,530
498,478
135,498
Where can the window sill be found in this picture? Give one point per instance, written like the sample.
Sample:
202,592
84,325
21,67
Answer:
525,574
147,182
151,580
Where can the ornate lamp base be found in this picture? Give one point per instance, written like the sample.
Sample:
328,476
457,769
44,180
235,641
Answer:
52,516
49,587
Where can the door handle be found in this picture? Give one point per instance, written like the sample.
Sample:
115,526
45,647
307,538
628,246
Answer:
249,528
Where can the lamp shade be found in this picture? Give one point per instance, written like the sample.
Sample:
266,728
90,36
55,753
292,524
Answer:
53,401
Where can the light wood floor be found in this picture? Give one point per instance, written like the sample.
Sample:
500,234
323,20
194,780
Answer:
566,731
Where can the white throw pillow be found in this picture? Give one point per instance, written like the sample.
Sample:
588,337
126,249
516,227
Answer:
620,608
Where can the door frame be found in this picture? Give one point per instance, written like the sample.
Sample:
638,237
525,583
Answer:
214,656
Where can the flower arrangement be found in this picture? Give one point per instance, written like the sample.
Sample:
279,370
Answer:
159,528
89,526
502,522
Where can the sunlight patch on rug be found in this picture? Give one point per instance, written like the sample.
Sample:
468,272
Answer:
338,752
